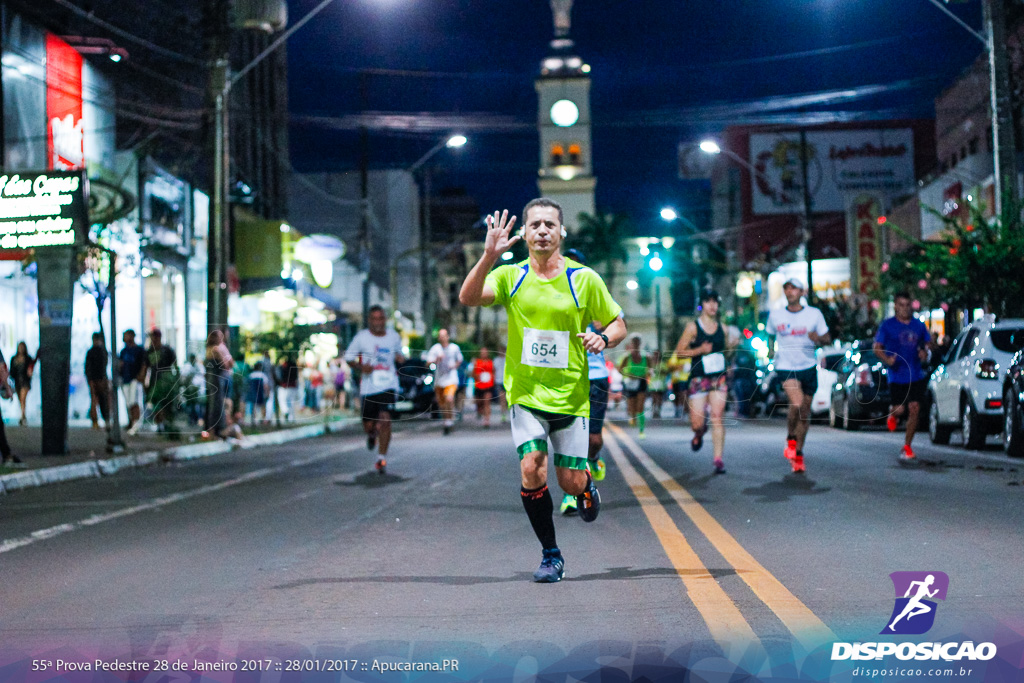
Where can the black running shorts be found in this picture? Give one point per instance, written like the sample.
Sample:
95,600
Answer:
375,404
808,379
902,394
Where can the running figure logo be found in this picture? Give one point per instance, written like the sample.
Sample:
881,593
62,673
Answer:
914,612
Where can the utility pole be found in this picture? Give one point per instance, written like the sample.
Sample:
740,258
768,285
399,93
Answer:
1002,106
425,237
218,21
365,260
115,442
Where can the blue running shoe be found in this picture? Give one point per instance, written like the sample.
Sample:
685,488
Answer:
552,567
588,503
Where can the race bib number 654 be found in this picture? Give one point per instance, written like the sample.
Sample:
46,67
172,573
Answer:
545,348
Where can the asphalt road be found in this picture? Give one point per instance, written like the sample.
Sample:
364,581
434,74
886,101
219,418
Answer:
301,553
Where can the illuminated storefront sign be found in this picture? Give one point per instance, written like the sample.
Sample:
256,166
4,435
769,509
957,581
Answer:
864,233
42,209
65,126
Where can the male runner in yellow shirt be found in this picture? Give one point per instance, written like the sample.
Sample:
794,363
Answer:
550,301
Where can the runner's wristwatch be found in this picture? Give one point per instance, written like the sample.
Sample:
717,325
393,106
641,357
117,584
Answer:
604,336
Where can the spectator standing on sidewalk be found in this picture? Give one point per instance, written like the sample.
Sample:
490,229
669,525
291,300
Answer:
239,383
219,364
287,386
22,366
191,375
8,457
316,384
902,344
258,389
96,361
133,362
161,372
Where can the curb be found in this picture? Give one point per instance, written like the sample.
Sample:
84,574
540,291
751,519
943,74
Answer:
110,466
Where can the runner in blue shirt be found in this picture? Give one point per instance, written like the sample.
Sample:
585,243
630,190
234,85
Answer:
902,344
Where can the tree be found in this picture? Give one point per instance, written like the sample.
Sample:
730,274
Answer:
600,238
974,263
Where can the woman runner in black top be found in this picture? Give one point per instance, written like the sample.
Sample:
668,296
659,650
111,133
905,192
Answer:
705,341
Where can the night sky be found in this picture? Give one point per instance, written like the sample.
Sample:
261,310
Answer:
663,73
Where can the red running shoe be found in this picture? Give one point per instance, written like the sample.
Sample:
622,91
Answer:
907,454
891,422
798,464
790,451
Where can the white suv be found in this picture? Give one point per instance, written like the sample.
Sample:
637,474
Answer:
966,389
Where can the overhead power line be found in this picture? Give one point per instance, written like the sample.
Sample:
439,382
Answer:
89,16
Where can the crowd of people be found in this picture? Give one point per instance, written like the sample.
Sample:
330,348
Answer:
214,395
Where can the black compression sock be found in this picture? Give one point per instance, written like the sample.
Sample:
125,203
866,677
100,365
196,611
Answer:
540,509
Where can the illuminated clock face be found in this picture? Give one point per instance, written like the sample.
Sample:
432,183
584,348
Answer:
564,113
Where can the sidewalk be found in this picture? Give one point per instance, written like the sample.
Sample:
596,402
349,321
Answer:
88,457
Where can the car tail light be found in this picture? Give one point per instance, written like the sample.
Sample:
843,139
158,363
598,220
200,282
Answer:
987,369
993,403
864,375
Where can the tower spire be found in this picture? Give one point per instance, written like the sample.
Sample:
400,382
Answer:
561,10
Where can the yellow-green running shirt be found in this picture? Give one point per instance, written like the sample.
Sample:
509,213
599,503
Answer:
545,362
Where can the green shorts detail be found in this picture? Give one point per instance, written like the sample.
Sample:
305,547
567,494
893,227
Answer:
570,462
531,446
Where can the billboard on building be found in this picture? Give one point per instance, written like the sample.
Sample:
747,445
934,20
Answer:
164,208
839,163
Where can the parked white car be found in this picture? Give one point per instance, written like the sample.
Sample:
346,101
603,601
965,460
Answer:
966,389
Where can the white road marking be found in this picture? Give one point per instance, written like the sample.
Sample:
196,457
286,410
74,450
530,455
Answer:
60,529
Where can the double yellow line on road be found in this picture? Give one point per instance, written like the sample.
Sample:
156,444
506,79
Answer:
727,625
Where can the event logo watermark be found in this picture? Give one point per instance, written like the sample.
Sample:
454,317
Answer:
914,613
915,607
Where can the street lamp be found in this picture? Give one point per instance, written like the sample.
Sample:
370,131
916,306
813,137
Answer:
712,147
669,214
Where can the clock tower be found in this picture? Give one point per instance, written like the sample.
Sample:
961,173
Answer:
563,120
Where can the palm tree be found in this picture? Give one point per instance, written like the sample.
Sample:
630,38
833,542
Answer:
600,237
